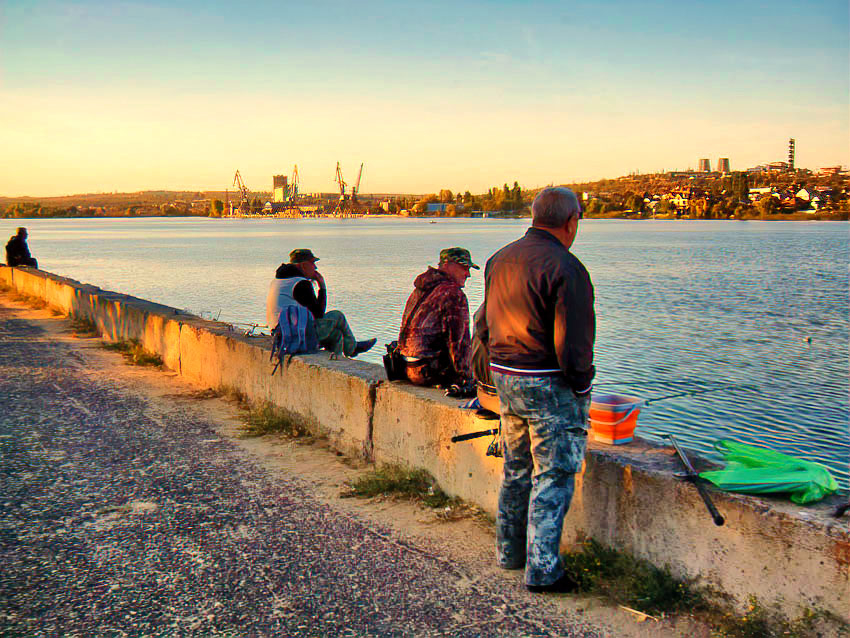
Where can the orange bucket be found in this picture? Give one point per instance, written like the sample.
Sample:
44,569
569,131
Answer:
613,418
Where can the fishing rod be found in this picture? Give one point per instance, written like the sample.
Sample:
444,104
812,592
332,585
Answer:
693,393
248,326
692,477
643,402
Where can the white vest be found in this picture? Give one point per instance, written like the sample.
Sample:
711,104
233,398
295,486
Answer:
279,297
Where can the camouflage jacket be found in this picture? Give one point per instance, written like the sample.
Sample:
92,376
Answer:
439,326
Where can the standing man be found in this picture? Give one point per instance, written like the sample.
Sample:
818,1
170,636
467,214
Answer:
293,283
540,328
434,336
17,251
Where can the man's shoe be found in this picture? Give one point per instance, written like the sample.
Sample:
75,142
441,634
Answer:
363,346
564,585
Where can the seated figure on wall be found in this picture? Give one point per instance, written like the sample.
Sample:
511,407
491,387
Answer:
488,398
434,337
293,284
17,251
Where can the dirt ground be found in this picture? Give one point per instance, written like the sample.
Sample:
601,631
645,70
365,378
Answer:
325,472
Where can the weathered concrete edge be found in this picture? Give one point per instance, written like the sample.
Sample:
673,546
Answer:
625,497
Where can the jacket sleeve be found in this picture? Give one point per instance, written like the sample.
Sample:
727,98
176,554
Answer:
480,323
575,329
456,322
306,296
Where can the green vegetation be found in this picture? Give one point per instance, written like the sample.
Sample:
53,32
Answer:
84,328
760,621
266,418
216,208
636,583
134,353
510,200
28,210
630,581
36,303
400,481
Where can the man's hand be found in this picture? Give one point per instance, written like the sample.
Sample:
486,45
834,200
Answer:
317,277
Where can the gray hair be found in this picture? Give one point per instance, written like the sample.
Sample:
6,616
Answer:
553,206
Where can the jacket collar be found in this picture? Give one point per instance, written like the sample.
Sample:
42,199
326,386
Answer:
542,234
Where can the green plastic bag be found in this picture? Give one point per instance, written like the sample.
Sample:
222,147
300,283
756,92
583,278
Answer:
757,470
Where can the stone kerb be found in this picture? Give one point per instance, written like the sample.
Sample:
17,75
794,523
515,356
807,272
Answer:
162,336
413,427
338,396
330,396
27,281
627,498
60,293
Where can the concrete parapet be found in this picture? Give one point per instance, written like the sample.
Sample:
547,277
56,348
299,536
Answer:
413,426
783,553
626,497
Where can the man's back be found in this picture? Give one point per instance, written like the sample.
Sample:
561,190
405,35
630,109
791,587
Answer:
13,251
436,316
540,314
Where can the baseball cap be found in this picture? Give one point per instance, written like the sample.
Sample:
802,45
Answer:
302,254
457,255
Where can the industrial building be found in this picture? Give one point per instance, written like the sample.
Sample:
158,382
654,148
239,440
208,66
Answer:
280,188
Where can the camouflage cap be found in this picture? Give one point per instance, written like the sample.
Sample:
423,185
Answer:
302,254
457,255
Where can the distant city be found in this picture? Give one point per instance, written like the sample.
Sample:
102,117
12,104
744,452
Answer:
768,190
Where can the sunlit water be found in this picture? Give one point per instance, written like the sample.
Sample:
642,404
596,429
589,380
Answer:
680,305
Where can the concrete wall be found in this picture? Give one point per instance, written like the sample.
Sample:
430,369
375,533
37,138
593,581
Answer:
626,496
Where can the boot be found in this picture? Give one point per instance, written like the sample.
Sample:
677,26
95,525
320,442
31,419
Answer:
363,346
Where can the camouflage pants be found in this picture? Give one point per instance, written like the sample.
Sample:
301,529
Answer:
334,334
543,439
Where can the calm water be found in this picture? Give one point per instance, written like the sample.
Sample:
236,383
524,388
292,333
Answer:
705,303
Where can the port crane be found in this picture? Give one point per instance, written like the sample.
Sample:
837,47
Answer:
293,188
340,182
347,204
244,204
356,188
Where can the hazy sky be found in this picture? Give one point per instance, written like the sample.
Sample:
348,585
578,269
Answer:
125,96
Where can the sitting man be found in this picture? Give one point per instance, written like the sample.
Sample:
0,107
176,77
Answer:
434,336
293,283
17,251
479,358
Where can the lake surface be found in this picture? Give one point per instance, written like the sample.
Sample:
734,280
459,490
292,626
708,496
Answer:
680,305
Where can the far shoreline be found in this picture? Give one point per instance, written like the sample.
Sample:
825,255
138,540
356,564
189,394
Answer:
779,217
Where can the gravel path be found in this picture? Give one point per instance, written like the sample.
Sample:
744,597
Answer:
117,521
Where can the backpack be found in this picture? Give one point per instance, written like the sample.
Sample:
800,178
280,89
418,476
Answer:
294,334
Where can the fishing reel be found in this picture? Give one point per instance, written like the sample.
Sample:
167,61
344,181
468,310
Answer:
495,448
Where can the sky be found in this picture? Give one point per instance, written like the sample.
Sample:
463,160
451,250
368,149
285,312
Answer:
177,95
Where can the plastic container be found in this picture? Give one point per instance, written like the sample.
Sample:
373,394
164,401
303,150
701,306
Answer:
487,397
613,418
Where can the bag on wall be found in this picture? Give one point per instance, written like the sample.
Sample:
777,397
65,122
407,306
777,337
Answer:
394,363
294,334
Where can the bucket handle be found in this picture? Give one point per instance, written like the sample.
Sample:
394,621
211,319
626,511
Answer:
627,415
